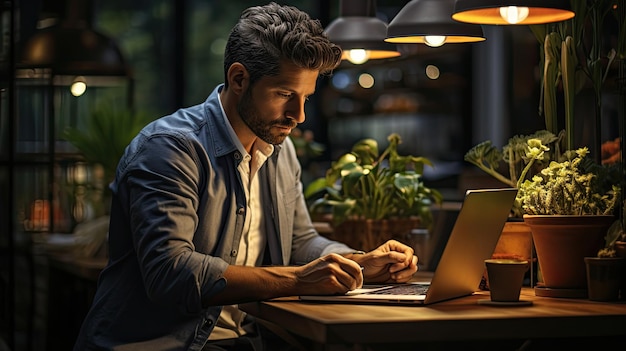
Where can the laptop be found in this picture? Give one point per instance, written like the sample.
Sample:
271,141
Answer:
472,240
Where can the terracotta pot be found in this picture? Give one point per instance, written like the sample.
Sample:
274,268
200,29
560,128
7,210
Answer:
562,243
368,234
515,242
603,277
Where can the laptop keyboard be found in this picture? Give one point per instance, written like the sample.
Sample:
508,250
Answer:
409,289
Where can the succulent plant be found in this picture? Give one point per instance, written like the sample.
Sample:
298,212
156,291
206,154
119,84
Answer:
565,188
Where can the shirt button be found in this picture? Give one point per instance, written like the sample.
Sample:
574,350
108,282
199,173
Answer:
233,253
240,210
208,323
237,155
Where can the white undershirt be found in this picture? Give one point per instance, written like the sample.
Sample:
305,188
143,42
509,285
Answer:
252,244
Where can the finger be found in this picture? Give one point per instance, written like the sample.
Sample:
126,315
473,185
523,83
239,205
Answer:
395,245
400,266
349,273
356,273
348,277
398,261
407,251
407,273
359,279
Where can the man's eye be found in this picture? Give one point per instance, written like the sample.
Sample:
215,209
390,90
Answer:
285,95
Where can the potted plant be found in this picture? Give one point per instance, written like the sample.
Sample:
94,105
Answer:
520,158
605,272
569,207
610,261
105,136
372,196
579,54
102,141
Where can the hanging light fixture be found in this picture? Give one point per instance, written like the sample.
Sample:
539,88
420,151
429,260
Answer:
523,12
360,34
71,46
430,22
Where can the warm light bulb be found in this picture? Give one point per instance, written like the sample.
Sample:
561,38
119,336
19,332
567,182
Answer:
514,14
78,87
358,56
434,40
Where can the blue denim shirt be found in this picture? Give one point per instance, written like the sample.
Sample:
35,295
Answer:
176,221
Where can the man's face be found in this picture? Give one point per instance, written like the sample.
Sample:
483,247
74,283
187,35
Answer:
275,104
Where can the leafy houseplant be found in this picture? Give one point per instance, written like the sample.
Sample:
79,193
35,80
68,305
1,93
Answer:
106,134
576,53
520,154
365,185
102,142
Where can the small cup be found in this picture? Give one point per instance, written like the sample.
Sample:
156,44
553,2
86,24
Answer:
505,278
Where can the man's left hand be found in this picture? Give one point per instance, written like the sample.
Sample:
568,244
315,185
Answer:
392,262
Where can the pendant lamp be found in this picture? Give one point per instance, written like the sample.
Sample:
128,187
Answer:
360,34
522,12
430,22
71,46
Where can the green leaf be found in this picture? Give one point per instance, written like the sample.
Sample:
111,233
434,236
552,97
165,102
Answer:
315,187
366,151
105,136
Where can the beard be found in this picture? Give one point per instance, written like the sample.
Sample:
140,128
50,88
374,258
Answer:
262,129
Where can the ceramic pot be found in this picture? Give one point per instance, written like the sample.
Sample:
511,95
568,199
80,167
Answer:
562,242
603,277
515,243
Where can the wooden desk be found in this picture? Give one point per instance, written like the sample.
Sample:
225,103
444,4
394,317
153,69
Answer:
456,320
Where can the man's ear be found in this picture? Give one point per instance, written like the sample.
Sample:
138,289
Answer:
238,78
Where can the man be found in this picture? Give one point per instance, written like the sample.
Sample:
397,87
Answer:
208,209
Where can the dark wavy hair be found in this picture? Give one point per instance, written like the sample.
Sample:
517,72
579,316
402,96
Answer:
265,35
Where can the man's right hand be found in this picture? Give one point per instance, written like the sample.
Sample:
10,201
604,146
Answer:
328,275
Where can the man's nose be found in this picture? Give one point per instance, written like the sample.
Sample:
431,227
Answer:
296,110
